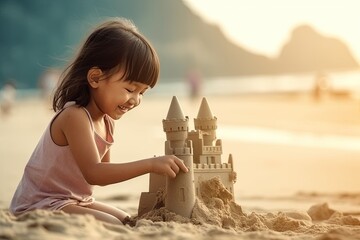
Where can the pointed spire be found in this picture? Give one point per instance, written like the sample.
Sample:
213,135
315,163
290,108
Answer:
175,111
204,110
230,160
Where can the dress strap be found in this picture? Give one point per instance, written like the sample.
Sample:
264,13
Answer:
89,116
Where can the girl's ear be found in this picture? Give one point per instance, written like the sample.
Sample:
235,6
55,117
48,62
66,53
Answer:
93,76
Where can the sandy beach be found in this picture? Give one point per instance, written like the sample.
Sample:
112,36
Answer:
296,158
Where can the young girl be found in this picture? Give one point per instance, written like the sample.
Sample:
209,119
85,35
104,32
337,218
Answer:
114,68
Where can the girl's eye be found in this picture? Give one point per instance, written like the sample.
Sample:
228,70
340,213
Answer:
129,90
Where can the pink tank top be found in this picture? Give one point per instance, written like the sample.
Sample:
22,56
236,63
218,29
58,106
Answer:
52,178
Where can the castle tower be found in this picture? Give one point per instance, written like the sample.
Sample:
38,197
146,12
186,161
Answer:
207,149
180,190
206,122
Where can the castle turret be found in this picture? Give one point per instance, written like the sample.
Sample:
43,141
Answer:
180,190
206,122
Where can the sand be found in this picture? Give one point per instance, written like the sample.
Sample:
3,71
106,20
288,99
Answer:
215,215
296,161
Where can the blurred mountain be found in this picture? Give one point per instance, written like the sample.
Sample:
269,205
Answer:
39,34
308,50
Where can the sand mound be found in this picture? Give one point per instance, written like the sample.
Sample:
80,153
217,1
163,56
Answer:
216,208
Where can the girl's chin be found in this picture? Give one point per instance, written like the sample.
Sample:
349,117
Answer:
116,116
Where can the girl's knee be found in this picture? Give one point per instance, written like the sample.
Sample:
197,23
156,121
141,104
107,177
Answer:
98,214
109,219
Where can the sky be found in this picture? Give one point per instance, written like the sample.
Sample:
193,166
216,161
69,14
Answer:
263,26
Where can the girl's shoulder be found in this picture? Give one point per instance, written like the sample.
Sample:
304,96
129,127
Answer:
74,111
73,115
70,120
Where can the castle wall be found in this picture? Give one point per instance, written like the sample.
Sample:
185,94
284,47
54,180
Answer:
203,172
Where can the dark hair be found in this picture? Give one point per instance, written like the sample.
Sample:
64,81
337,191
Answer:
116,44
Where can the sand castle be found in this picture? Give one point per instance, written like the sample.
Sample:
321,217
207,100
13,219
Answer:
201,152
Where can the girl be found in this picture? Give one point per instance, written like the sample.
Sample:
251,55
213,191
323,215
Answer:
114,68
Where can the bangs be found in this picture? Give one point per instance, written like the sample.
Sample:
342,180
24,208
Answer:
141,63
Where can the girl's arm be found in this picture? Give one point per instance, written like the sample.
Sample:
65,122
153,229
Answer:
108,173
76,128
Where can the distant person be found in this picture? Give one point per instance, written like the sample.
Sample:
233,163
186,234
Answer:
48,82
7,98
194,80
115,67
321,85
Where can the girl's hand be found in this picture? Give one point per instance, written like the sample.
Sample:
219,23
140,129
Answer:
168,165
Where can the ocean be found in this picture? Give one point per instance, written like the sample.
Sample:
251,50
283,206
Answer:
286,83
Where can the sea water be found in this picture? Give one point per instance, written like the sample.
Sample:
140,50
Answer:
286,83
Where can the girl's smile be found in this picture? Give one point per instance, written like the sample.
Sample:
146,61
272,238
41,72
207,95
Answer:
123,109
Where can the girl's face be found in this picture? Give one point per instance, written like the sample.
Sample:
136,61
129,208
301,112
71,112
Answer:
116,96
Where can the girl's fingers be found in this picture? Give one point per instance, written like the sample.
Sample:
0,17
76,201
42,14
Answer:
175,168
181,164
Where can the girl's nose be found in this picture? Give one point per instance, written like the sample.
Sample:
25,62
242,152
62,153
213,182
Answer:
134,100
